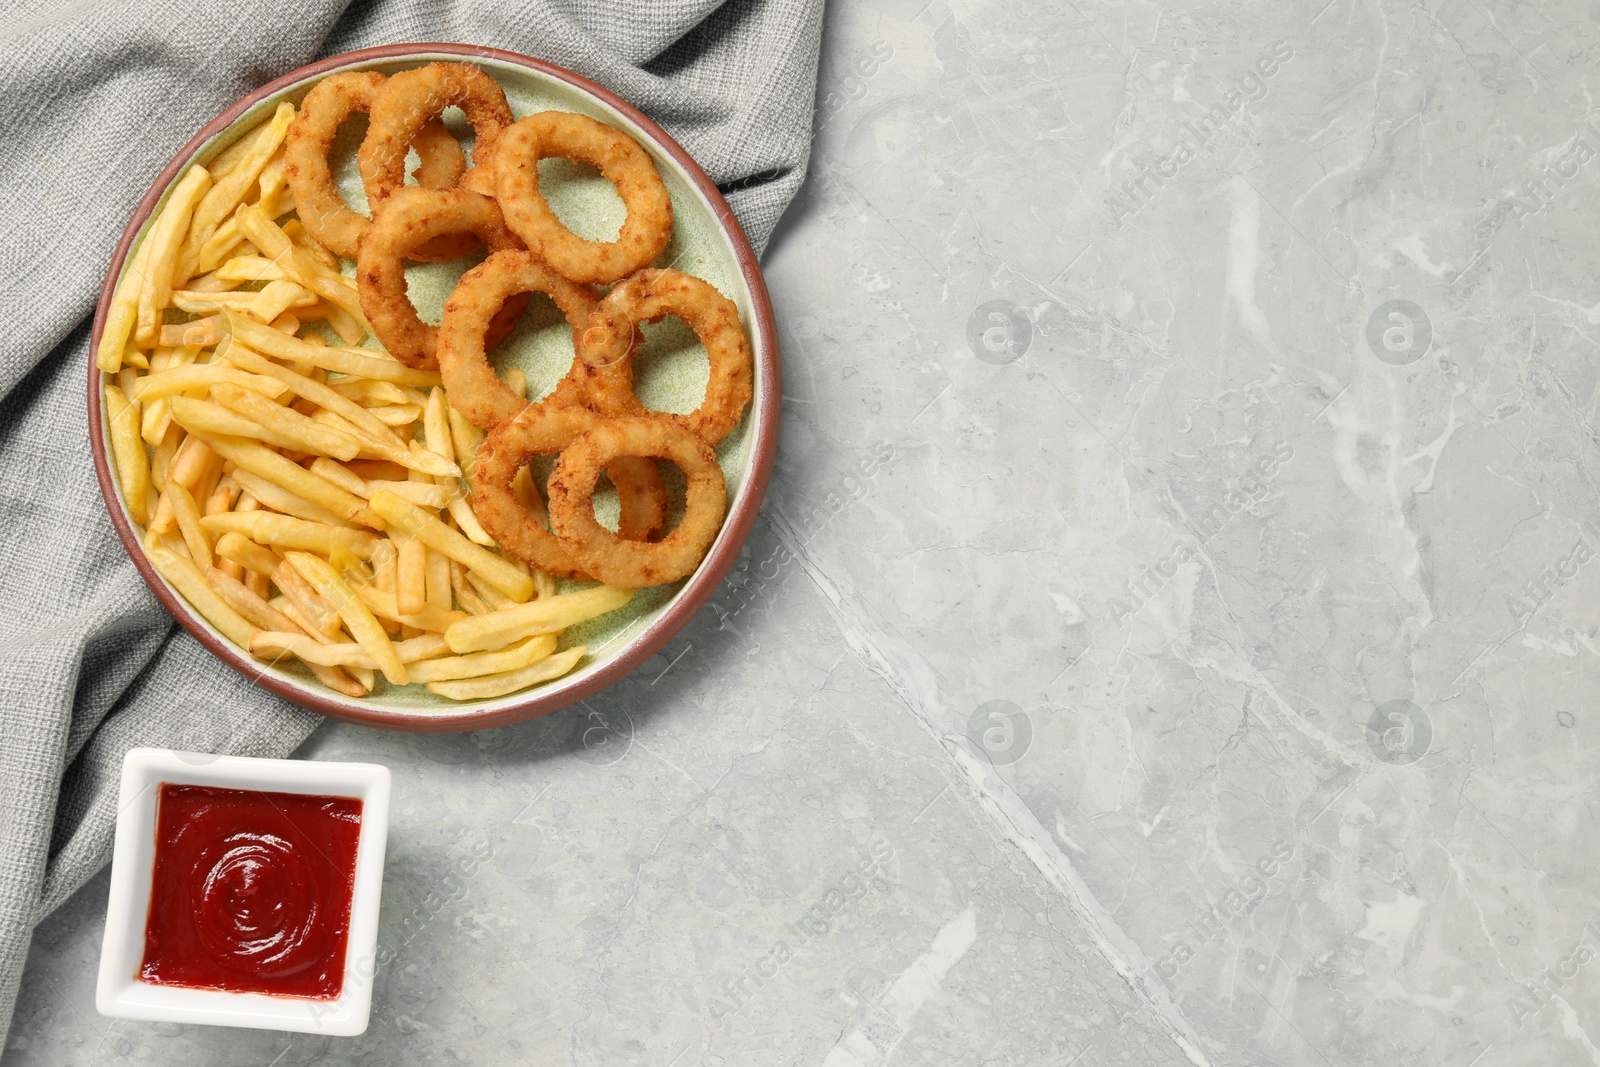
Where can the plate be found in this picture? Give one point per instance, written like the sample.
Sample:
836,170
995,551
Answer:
707,242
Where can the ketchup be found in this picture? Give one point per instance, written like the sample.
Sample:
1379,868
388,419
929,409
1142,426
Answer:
252,891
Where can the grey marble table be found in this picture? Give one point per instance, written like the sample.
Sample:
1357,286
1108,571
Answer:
1170,637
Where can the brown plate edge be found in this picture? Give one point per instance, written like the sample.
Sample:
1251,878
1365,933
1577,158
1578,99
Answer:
702,584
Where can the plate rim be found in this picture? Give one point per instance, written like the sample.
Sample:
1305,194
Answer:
683,605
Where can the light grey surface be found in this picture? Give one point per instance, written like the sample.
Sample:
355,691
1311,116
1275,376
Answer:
1296,628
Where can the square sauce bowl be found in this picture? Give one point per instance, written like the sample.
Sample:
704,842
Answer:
233,883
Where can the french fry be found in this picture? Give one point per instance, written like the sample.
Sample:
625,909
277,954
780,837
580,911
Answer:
385,565
518,381
127,449
370,429
451,668
491,596
411,577
259,584
269,237
528,497
461,511
230,241
370,393
548,616
202,416
161,458
466,595
439,437
422,494
210,283
255,610
291,611
229,193
286,532
269,643
187,512
316,610
357,618
188,469
497,685
221,498
280,499
304,435
179,380
274,176
346,325
340,475
397,414
414,522
199,333
295,230
275,298
203,303
187,579
383,604
251,269
123,315
438,580
436,425
252,557
466,437
363,363
248,602
229,157
377,470
262,461
166,240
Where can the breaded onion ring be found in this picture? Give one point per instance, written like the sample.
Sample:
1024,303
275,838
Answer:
542,431
322,210
647,228
474,387
408,218
634,564
606,348
413,98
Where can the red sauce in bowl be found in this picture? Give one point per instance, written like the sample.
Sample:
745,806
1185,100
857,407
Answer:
252,891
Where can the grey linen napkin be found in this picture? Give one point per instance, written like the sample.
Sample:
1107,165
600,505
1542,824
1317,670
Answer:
99,97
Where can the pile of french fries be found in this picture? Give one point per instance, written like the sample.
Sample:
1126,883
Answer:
307,497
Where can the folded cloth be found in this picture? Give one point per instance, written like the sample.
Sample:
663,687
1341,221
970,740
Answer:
99,97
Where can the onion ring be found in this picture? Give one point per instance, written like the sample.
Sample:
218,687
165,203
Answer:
634,564
647,228
325,214
409,217
606,348
541,430
412,99
474,387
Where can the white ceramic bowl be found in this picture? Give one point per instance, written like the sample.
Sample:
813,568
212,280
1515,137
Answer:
121,994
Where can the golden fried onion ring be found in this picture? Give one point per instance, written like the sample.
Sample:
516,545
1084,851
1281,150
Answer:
408,218
412,99
543,430
606,348
647,228
325,215
634,564
475,389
